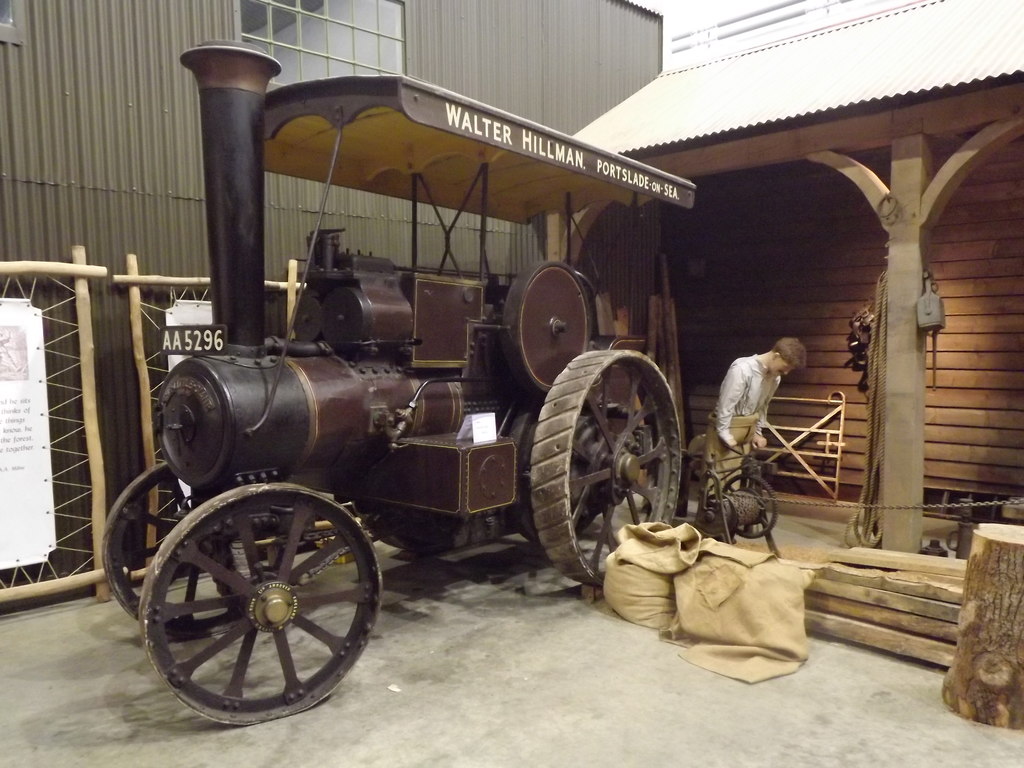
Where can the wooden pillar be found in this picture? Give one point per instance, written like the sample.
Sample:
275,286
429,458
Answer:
554,240
902,475
985,683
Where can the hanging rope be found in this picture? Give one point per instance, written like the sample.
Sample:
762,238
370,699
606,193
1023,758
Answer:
864,528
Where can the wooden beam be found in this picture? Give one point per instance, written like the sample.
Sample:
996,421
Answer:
900,561
919,606
891,640
943,116
51,268
141,367
876,614
554,242
867,181
946,589
971,154
52,587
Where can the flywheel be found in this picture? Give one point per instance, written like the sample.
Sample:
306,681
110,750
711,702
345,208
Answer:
606,454
547,321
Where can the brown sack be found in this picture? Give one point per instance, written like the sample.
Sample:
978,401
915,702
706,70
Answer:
741,614
638,574
638,595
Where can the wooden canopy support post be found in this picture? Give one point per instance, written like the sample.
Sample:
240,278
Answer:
908,212
902,461
898,210
985,683
565,235
90,415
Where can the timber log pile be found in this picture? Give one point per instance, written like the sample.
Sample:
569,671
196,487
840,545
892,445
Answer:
902,603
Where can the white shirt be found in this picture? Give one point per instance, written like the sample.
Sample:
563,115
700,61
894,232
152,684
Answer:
746,389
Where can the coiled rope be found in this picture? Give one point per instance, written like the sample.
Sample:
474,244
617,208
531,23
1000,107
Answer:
864,529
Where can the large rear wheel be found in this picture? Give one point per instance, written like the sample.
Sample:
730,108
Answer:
606,454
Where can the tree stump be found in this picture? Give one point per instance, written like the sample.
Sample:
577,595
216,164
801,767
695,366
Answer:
986,680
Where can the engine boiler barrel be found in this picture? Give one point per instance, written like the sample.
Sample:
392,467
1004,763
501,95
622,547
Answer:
325,412
232,80
206,407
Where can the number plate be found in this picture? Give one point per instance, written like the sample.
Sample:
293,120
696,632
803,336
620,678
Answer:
194,339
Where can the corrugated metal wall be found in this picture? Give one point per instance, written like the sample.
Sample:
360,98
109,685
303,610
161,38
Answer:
559,62
99,140
562,63
98,146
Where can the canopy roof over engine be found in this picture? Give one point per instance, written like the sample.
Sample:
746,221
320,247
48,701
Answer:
395,127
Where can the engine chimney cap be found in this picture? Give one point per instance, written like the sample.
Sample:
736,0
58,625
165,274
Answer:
231,64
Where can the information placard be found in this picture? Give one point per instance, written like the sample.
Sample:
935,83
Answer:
27,528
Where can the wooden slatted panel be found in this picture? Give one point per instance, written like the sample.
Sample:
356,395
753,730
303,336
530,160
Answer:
795,250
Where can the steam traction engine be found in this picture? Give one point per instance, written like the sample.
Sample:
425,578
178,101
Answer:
286,457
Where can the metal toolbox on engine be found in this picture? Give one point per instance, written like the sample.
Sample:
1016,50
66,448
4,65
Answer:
412,475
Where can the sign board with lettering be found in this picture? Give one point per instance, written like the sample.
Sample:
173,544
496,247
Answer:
27,527
395,127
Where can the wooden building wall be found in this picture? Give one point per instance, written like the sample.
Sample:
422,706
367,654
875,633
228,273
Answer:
795,250
975,419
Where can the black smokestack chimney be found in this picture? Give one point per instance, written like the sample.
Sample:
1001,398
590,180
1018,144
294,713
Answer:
232,79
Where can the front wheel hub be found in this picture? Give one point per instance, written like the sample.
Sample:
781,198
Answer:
273,606
627,468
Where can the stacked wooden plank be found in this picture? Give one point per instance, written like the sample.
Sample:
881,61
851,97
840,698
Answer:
902,603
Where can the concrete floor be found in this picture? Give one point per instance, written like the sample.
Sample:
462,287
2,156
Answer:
486,658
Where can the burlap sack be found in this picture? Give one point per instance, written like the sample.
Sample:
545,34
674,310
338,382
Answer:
639,573
741,614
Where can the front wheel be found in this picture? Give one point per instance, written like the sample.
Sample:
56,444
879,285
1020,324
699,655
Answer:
300,582
606,453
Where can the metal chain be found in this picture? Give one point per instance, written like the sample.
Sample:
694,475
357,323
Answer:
883,507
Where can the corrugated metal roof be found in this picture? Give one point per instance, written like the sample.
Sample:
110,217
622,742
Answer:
911,50
645,6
